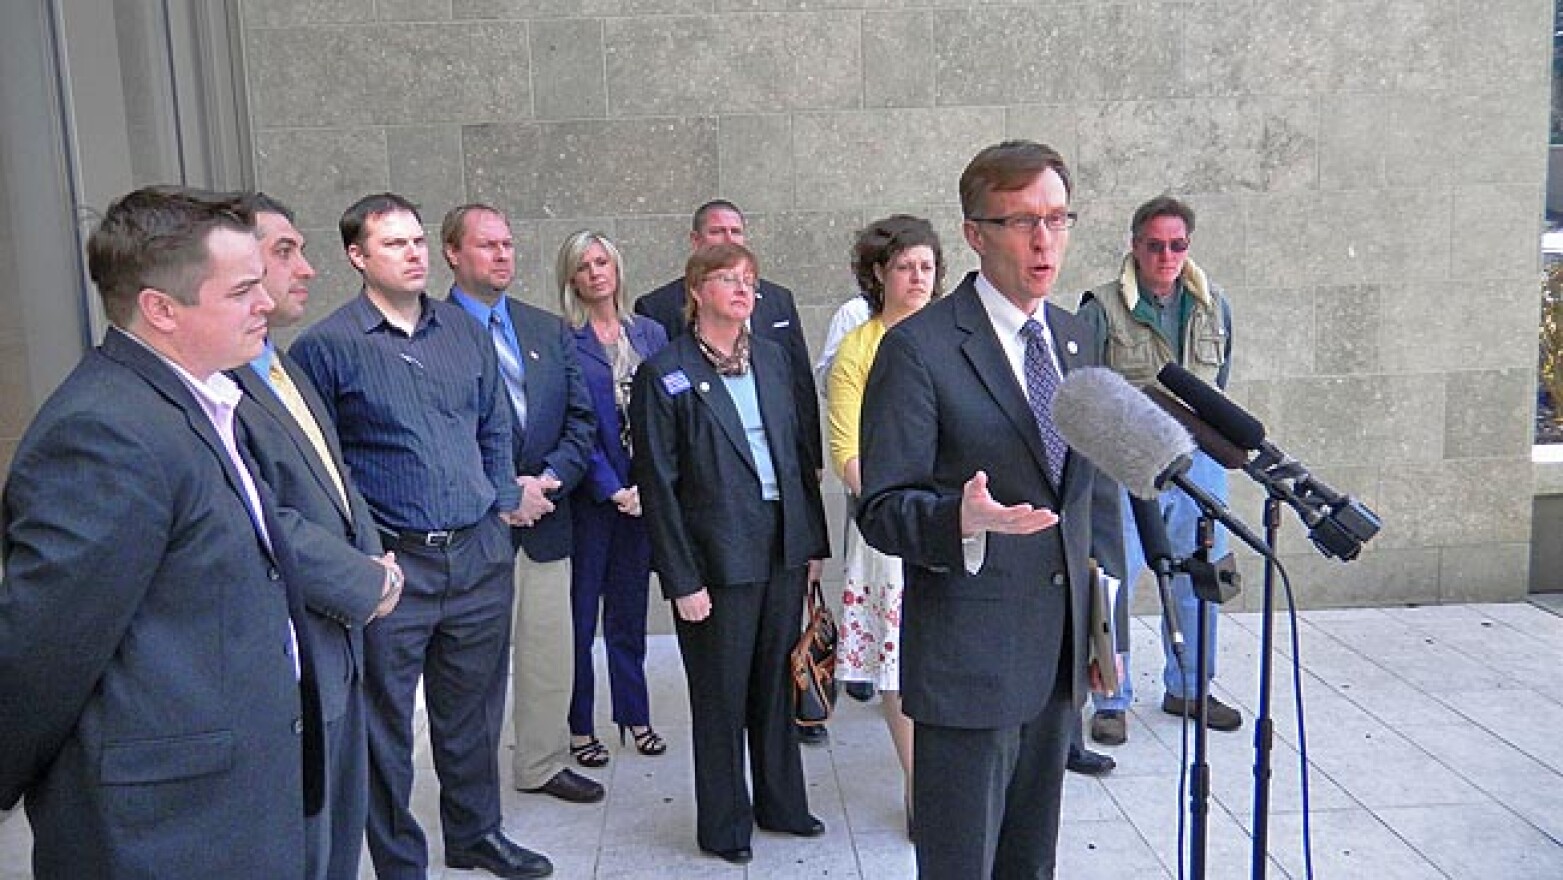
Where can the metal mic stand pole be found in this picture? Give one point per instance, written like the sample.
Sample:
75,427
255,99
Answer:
1199,783
1214,583
1264,726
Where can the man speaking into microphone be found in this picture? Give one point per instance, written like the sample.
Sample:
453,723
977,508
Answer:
1163,309
967,479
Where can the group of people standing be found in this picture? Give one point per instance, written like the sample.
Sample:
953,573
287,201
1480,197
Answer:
209,661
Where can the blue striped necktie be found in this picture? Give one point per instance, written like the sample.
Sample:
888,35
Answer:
1042,382
510,367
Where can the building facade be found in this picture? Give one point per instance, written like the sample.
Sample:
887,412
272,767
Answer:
1369,178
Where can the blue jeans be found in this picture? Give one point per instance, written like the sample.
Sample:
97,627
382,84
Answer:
1181,515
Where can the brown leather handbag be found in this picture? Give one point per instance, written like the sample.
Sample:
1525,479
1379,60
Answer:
814,663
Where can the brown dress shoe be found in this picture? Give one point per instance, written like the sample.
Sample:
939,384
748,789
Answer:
1110,727
1218,715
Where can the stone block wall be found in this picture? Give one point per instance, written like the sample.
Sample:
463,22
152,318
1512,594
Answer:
1368,176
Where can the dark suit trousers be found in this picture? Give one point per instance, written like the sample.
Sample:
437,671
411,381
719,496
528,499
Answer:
452,628
336,835
986,801
736,664
610,572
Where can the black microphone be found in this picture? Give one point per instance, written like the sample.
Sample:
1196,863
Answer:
1157,549
1337,523
1104,418
1214,408
1210,441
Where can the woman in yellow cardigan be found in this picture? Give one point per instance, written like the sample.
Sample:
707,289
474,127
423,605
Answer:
900,268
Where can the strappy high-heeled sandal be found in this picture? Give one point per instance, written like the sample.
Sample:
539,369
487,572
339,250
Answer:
591,753
647,742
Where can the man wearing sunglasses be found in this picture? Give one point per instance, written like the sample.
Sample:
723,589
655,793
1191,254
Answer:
1163,309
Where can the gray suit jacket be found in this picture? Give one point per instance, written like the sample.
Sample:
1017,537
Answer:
342,585
148,705
982,650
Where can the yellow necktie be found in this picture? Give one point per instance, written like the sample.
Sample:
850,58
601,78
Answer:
288,392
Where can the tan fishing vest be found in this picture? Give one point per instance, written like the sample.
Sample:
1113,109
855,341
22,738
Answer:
1137,352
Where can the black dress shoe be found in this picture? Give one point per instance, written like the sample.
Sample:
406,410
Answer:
813,828
813,735
498,855
742,855
1089,763
862,691
568,785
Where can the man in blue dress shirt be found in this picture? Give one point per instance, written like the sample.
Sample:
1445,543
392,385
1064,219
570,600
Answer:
416,393
552,443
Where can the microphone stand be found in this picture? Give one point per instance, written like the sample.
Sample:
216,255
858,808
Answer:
1264,725
1214,583
1199,784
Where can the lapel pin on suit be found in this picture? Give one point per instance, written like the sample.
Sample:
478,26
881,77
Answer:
533,355
1072,347
704,387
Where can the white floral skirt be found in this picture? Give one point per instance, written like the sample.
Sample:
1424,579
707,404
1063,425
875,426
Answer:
870,643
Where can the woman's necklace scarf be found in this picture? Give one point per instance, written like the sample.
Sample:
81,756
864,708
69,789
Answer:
735,364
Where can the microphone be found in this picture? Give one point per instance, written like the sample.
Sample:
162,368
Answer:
1210,441
1104,418
1337,523
1216,409
1158,555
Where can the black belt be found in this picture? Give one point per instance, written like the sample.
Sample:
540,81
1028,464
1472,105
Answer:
436,538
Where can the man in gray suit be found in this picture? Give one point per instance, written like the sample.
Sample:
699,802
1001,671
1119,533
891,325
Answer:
993,523
158,704
293,443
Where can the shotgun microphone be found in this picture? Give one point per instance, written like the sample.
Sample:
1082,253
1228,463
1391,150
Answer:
1157,550
1214,408
1337,523
1107,420
1211,442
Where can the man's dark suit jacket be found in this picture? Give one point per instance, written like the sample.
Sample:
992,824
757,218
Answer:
148,704
343,584
698,483
941,403
559,427
776,318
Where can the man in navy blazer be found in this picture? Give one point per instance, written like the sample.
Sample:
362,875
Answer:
330,529
553,432
966,479
158,713
775,316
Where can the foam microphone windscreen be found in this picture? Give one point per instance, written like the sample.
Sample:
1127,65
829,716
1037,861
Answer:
1216,409
1107,420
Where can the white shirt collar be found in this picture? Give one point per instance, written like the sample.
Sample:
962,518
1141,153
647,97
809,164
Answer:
217,392
1007,319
